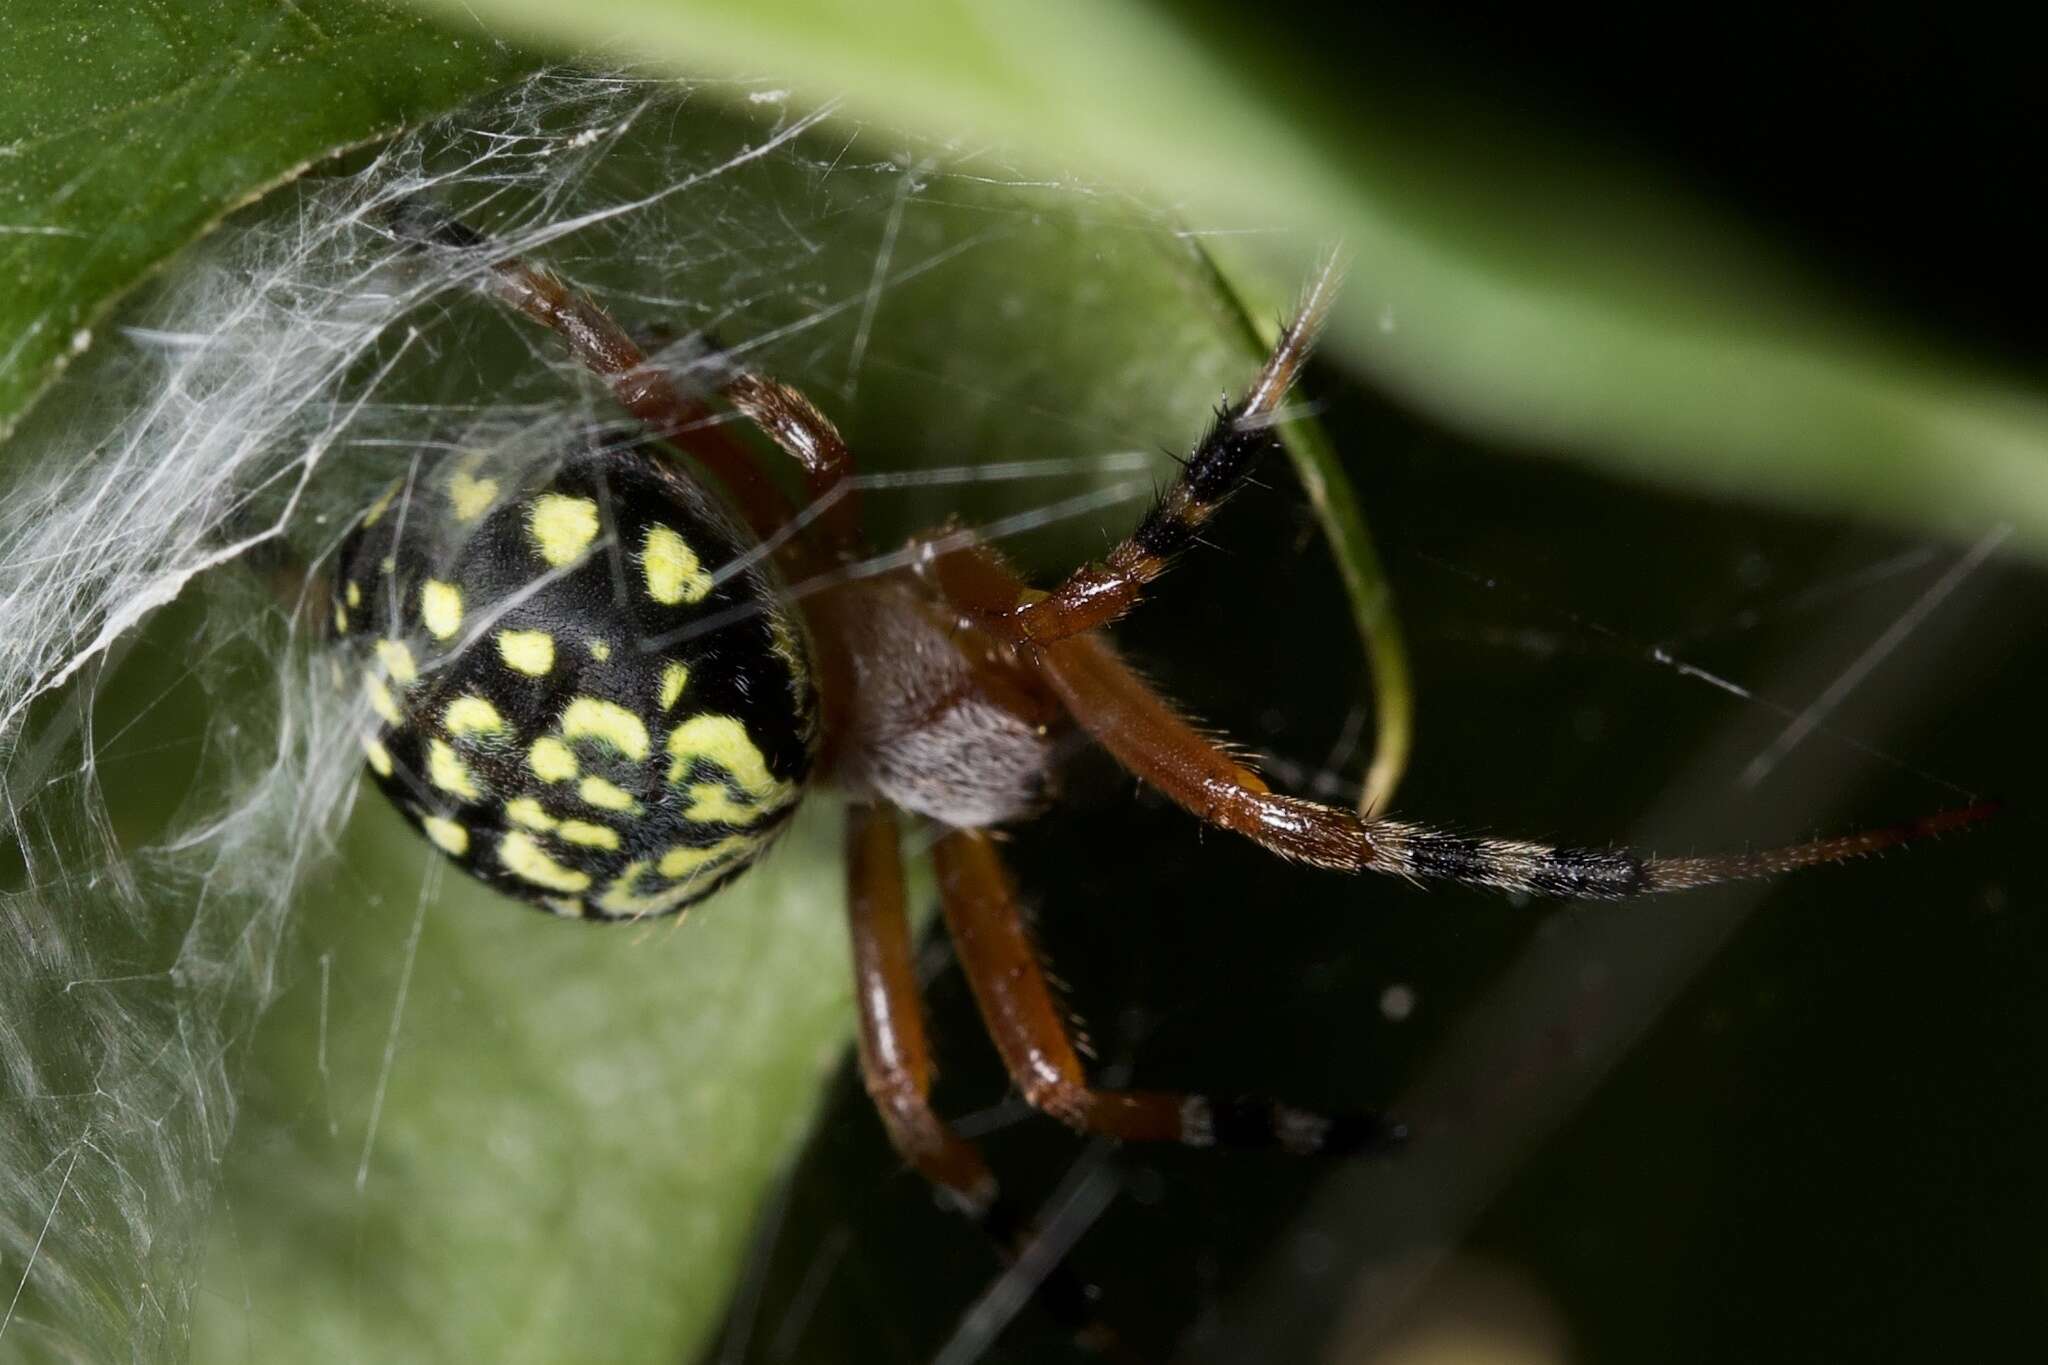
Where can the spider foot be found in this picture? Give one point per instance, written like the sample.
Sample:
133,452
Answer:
1266,1124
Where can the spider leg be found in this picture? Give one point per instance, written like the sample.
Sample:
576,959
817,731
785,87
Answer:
603,346
895,1060
1025,1022
806,435
1144,733
1151,739
896,1066
1243,432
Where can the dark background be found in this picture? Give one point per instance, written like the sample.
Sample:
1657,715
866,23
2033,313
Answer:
1826,1146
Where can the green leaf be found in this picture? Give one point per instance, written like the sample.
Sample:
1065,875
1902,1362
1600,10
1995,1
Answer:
1509,282
128,128
474,1132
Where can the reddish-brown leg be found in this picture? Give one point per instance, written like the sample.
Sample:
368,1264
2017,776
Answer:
807,436
783,414
1025,1023
1151,739
895,1061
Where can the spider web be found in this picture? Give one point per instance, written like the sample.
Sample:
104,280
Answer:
178,767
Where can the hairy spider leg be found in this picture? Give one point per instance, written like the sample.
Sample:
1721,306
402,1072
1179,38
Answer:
604,348
1150,738
1242,433
896,1067
793,422
895,1060
1027,1026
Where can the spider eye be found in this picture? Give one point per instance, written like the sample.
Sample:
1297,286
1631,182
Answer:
582,691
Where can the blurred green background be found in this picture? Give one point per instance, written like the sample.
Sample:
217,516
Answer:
1642,1134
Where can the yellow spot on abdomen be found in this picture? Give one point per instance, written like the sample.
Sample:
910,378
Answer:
441,608
471,716
623,896
551,760
471,496
340,619
382,504
562,527
620,898
680,862
526,811
530,651
595,718
526,859
782,638
605,795
721,740
446,771
588,834
674,678
711,803
354,595
673,573
600,651
379,756
724,742
380,700
452,838
398,661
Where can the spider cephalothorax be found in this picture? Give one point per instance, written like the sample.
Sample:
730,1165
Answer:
587,691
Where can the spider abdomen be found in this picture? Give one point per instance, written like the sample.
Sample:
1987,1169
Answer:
584,690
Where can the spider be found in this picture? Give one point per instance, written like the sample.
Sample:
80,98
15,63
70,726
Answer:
591,693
